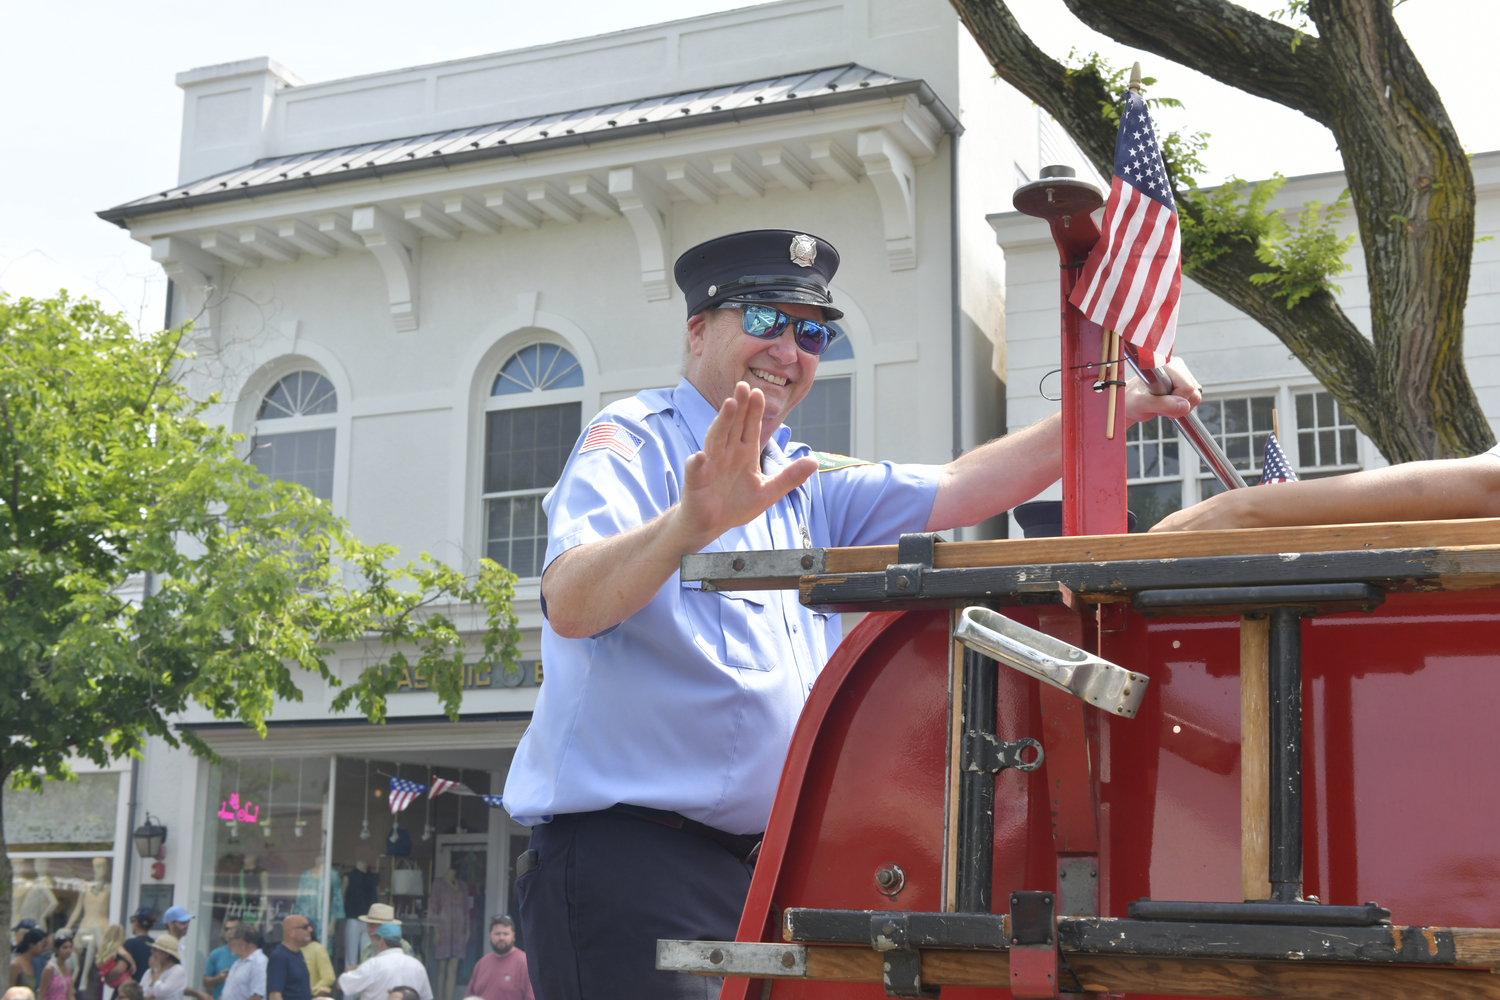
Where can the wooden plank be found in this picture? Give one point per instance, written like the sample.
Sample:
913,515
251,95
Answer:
1255,761
1277,980
1179,977
1183,544
1477,947
955,739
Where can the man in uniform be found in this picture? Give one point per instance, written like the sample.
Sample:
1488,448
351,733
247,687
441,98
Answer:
648,771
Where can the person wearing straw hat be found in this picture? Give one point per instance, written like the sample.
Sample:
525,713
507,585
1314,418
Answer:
166,979
386,970
380,913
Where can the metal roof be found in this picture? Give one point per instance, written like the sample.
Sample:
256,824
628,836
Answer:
801,92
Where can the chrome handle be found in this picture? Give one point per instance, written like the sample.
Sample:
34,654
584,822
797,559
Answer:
1050,660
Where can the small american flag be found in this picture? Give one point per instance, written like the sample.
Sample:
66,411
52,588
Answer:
402,793
1132,281
439,786
493,801
614,437
1275,468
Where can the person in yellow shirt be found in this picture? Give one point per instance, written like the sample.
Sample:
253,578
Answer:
319,967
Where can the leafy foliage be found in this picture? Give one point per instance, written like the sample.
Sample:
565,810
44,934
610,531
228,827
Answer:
1304,258
1182,151
1214,220
108,474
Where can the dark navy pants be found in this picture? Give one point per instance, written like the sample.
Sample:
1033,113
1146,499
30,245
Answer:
604,888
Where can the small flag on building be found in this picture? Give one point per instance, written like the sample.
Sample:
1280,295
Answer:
1275,468
493,801
403,792
1132,281
614,437
439,786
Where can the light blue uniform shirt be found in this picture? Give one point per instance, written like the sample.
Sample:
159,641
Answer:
689,704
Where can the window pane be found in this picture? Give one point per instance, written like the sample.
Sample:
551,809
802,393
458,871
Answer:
1348,455
536,367
1305,412
822,421
1152,502
300,394
64,816
303,457
1325,410
516,535
526,448
1307,451
1236,416
1261,408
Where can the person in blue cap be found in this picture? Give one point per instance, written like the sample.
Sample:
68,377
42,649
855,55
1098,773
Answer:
655,747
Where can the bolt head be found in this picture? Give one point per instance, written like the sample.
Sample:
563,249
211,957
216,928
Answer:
738,565
788,959
715,957
902,583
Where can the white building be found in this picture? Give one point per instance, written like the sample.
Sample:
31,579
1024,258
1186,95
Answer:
413,288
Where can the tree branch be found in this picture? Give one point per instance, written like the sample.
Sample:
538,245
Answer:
1221,40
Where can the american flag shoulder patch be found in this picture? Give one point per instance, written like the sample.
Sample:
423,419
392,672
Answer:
614,437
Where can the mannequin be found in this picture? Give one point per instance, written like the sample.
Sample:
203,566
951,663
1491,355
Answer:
40,902
90,917
252,892
22,875
360,885
450,930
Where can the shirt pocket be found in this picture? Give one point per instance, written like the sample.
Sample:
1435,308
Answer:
730,627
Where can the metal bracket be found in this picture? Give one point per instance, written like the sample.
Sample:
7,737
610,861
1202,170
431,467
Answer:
902,964
915,552
987,753
1033,946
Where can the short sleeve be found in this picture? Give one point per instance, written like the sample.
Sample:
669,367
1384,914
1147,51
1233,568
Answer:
610,488
876,504
276,973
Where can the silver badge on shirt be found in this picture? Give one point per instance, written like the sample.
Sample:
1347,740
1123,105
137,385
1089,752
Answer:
804,250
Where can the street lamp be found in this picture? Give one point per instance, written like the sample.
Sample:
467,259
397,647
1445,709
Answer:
150,836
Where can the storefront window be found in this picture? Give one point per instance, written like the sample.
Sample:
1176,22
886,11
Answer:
266,844
61,843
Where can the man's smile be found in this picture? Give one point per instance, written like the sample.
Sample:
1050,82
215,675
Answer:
773,379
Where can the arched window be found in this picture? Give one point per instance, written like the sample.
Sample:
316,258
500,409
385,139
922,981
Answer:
824,420
532,420
294,432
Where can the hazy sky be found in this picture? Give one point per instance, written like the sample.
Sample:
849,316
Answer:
92,117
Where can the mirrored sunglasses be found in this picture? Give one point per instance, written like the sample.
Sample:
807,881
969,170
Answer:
767,323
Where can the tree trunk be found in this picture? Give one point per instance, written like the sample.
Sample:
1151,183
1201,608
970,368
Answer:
7,873
1412,192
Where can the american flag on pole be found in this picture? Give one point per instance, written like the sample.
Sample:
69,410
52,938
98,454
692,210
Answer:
493,801
1132,281
614,437
402,793
439,786
1275,468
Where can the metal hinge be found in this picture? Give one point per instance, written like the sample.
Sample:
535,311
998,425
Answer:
985,752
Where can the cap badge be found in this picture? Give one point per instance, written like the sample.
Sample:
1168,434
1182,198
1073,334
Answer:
804,250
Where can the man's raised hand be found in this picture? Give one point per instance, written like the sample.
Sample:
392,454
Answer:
724,486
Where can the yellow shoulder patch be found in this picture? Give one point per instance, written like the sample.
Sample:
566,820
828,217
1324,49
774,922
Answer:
829,462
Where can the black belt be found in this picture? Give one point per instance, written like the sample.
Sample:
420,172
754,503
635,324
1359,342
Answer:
744,846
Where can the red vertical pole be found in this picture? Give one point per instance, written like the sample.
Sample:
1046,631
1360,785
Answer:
1093,465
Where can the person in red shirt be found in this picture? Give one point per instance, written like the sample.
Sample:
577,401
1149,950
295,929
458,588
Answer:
502,974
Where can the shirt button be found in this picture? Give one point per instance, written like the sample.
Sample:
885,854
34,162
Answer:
794,628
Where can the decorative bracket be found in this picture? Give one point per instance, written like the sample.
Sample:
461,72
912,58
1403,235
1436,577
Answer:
398,247
194,273
644,207
890,169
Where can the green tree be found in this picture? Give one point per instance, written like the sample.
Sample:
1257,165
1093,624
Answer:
109,474
1411,192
